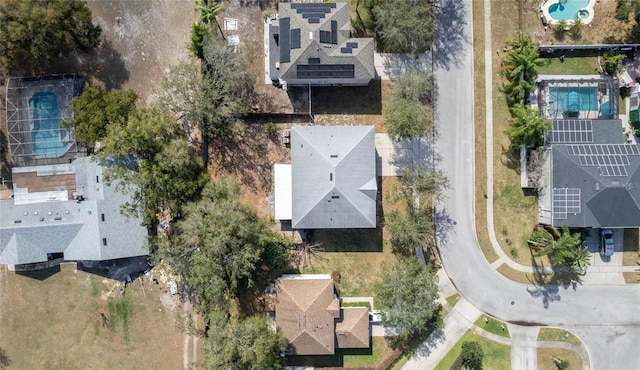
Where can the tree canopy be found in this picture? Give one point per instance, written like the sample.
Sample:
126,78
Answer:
413,226
36,32
221,247
565,249
527,127
408,112
242,344
408,293
521,67
96,108
150,159
472,355
404,26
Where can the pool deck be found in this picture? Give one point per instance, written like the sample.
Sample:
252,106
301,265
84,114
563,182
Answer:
544,9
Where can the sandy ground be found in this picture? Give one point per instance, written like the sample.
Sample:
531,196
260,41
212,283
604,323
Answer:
143,39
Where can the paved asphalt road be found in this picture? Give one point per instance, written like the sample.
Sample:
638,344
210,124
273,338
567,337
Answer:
606,318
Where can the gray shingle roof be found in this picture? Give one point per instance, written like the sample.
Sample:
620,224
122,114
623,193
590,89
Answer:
313,34
604,193
30,231
333,177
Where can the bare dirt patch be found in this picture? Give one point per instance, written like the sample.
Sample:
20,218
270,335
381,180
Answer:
145,38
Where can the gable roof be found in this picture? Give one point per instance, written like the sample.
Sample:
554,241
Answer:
314,42
303,313
334,183
33,228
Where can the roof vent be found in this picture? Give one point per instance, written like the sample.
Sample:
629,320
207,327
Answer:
334,156
17,221
58,218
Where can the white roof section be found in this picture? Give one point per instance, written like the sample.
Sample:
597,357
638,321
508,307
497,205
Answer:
282,185
334,181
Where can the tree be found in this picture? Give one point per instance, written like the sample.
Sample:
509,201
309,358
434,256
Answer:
418,190
408,112
527,127
404,26
209,10
565,250
623,9
199,35
560,29
242,344
408,293
149,159
221,247
472,355
212,96
34,33
576,28
95,109
610,63
522,64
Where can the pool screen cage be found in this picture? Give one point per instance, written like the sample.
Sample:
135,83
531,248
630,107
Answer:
29,120
589,97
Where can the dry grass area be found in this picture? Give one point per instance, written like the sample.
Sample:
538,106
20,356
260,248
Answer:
53,322
631,248
526,278
631,277
546,356
515,211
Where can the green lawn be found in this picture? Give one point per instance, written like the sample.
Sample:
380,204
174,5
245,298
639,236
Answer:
557,335
497,356
570,66
493,326
355,304
452,300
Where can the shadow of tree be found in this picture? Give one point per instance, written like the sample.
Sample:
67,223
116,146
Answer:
510,158
5,361
449,37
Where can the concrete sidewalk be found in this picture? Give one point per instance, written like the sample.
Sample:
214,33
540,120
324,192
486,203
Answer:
439,343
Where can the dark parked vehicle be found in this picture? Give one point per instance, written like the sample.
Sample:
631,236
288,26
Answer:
606,245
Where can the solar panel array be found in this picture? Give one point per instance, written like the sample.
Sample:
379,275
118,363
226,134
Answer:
295,38
313,12
572,131
352,45
565,201
308,71
326,37
611,159
285,40
345,50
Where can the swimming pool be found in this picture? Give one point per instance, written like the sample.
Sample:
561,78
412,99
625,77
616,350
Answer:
568,10
572,99
48,138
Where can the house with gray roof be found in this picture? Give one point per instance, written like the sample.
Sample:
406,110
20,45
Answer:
590,177
311,44
66,211
333,178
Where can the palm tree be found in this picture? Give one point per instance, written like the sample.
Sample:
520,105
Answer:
576,28
560,28
522,64
568,251
528,126
209,10
610,63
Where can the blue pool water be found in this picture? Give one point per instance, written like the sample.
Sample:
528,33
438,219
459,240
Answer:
47,135
567,11
572,99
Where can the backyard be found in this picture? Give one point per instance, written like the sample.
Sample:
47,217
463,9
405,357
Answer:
69,319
